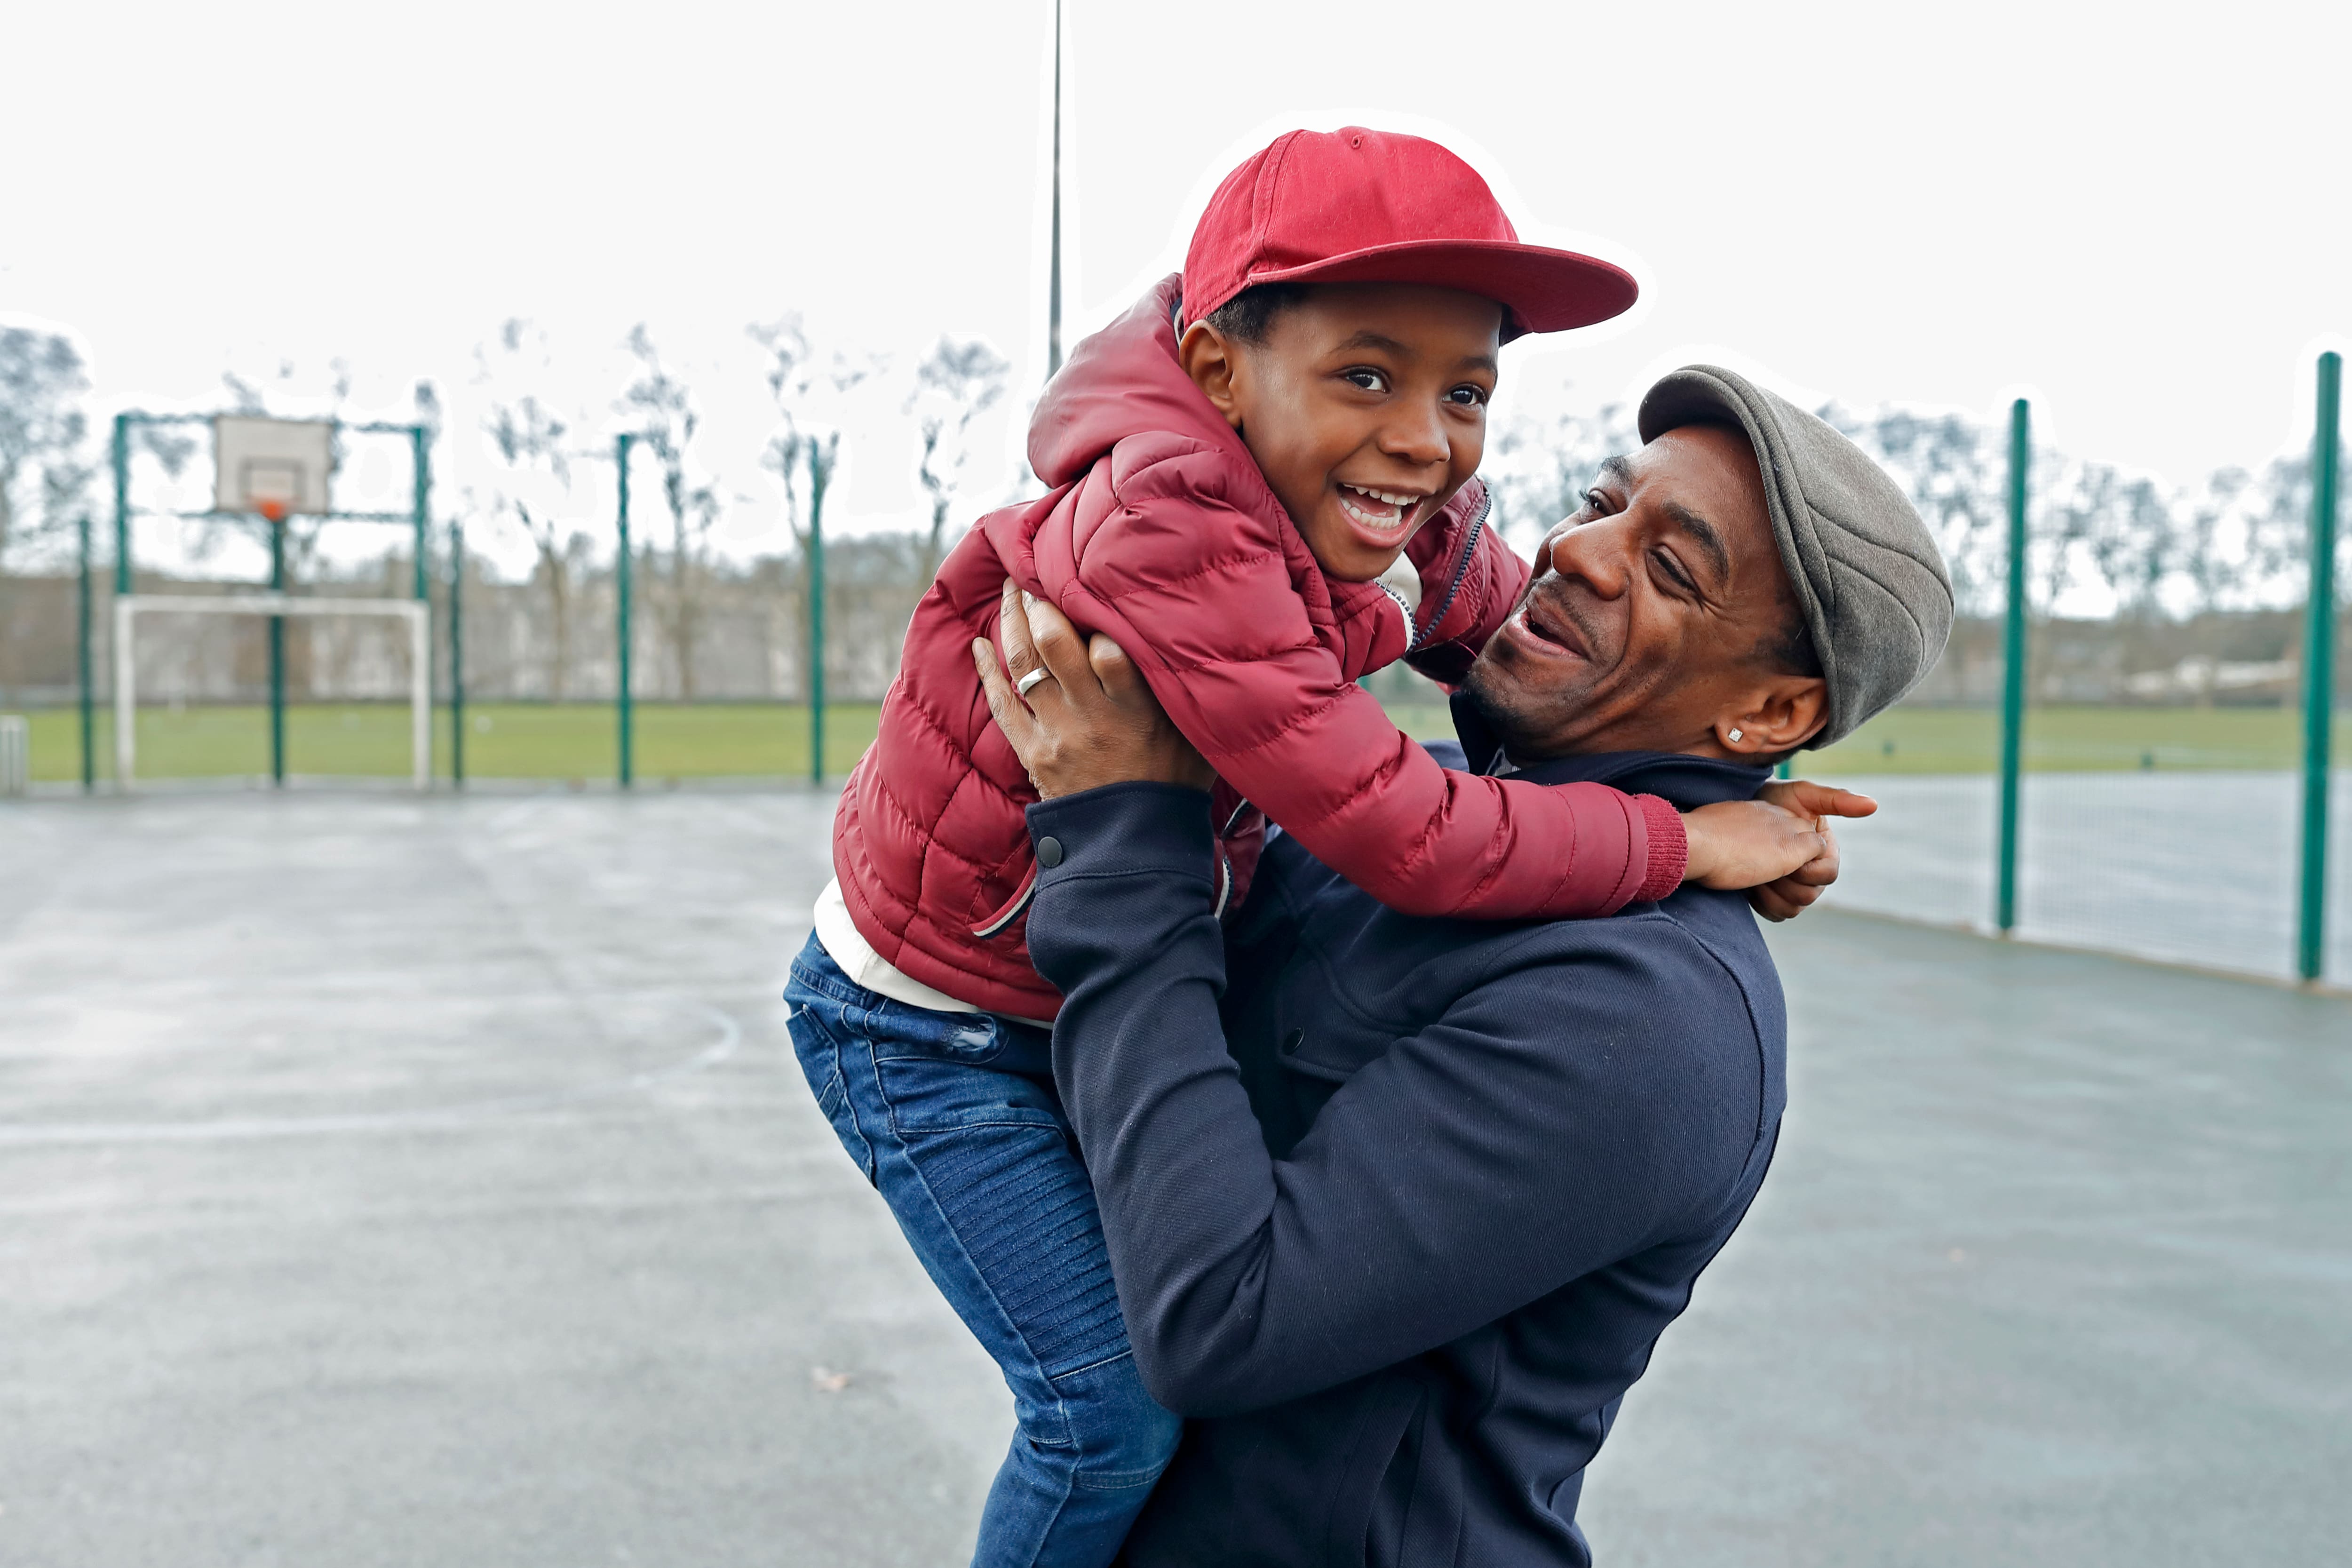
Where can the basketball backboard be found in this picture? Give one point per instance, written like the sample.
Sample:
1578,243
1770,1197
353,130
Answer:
275,466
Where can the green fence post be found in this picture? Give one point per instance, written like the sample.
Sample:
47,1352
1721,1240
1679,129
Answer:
121,455
89,674
2012,685
816,616
621,585
277,656
420,504
457,653
2318,667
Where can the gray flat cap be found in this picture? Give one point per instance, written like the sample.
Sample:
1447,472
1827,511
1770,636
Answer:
1867,573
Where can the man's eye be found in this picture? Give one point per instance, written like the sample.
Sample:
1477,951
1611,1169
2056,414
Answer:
1674,570
1368,379
1594,501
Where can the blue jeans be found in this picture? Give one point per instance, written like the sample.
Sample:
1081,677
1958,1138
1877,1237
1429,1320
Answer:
954,1118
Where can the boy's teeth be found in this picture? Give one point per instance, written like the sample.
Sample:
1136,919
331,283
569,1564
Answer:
1396,506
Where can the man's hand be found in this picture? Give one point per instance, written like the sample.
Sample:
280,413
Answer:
1778,846
1091,720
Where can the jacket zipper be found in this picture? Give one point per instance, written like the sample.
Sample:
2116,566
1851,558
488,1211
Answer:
1461,570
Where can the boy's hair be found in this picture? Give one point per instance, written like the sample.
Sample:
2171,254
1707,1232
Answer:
1250,315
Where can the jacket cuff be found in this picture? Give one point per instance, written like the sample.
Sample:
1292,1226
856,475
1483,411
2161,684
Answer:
1123,828
1669,850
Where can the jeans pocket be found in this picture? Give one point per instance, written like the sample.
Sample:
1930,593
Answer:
829,1097
818,1050
930,1094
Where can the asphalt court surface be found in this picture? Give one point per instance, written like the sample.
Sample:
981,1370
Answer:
2194,868
398,1181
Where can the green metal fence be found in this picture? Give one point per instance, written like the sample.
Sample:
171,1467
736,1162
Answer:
2190,831
2194,830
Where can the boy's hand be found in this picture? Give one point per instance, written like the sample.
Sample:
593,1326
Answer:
1779,845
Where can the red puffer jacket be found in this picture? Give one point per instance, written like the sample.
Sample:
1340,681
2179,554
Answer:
1159,529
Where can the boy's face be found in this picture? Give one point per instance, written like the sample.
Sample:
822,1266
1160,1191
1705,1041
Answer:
1365,407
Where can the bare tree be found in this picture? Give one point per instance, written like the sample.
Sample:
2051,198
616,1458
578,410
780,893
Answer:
1951,468
42,430
957,382
791,377
801,444
1538,470
668,421
534,493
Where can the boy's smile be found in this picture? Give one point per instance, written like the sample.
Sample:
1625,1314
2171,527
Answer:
1365,406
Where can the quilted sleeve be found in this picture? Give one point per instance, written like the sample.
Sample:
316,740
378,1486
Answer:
1214,611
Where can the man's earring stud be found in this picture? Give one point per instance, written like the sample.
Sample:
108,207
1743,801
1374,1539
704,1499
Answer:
1735,734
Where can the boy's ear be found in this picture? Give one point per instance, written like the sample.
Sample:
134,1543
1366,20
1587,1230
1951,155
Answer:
1213,362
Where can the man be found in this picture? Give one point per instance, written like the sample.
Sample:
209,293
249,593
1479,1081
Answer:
1397,1206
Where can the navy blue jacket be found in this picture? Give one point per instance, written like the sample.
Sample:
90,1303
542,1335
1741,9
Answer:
1397,1206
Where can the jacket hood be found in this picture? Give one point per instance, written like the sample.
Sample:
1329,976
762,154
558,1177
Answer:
1123,379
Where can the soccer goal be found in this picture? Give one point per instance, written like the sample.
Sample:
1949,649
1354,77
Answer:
270,470
128,609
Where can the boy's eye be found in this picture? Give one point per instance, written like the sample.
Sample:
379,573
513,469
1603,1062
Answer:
1366,377
1467,396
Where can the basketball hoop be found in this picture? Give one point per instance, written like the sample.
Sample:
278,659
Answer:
277,467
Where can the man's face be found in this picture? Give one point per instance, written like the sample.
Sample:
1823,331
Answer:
1654,617
1365,407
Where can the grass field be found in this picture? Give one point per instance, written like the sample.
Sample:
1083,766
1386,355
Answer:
577,741
2057,739
503,741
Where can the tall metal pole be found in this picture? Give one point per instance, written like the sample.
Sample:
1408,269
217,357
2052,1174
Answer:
819,471
457,652
88,672
621,446
277,656
1053,259
2013,690
2319,672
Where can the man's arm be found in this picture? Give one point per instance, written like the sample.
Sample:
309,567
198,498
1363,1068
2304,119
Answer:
1530,1134
1533,1133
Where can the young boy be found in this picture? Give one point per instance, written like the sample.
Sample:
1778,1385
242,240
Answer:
1262,486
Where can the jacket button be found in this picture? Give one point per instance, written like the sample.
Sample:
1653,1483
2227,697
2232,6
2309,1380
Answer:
1293,1040
1049,851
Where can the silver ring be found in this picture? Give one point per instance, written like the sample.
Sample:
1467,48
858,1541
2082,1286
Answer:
1028,683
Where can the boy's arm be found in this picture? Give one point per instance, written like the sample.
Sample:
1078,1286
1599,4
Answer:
1208,603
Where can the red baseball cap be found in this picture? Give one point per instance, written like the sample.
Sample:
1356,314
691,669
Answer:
1354,206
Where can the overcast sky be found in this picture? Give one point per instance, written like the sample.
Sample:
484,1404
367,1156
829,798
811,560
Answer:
2137,211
